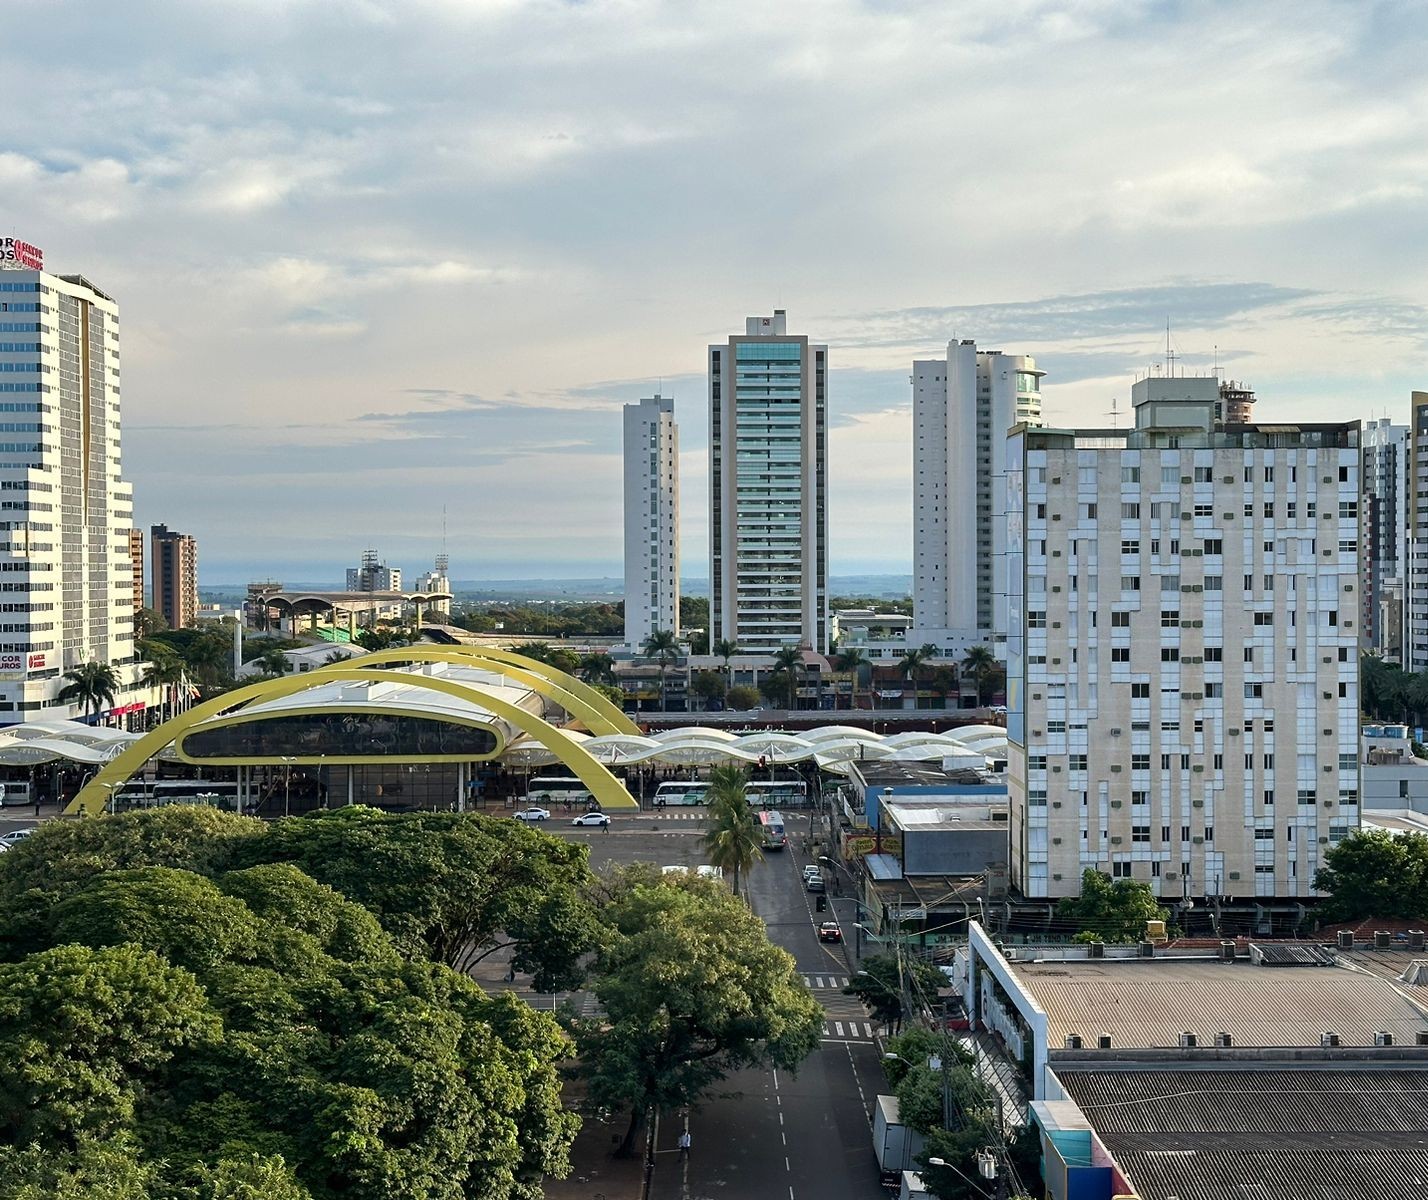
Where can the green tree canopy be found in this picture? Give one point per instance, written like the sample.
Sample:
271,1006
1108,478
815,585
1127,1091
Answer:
882,984
1111,910
693,989
733,839
1372,873
741,697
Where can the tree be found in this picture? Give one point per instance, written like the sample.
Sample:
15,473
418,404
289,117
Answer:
92,685
741,698
709,685
147,622
733,839
273,662
664,646
692,989
980,665
726,650
851,662
883,983
167,671
1115,910
911,665
788,663
596,668
1373,873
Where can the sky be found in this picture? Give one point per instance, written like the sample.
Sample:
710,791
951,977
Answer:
388,269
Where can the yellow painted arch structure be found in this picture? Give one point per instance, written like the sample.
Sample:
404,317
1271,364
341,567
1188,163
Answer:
94,796
589,705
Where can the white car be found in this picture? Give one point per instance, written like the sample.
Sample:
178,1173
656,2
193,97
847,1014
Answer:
533,814
811,871
15,835
591,818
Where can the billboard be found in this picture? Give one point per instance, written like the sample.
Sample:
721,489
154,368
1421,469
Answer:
16,255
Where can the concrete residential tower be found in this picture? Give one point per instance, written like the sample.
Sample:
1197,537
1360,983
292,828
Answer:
64,540
1182,667
173,565
651,520
962,407
768,481
1415,649
1385,527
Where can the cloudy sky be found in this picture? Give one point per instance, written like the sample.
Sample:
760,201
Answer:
378,259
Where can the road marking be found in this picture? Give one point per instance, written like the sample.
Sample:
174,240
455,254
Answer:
838,1025
868,1030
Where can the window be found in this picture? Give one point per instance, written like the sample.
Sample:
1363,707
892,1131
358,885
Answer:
1264,833
1249,654
1165,762
1214,691
1204,475
1130,546
1170,618
1348,508
1055,726
1036,618
1219,762
1269,474
1254,691
1269,583
1264,618
1036,762
1140,762
1120,654
1169,654
1140,798
1130,512
1120,870
1269,762
1269,797
1209,833
1120,620
1214,583
1076,762
1214,654
1204,510
1169,476
1140,691
1170,583
1140,833
1130,474
1130,583
1269,512
1214,546
1036,799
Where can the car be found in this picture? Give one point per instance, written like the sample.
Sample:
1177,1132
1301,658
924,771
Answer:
812,871
591,818
15,835
533,814
829,932
814,883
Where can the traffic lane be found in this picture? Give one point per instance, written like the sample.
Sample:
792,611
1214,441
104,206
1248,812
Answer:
737,1147
828,1121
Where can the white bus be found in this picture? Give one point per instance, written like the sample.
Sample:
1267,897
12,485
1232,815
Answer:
776,793
161,792
689,791
775,838
548,791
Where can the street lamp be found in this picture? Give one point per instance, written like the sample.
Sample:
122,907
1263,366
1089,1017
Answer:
288,761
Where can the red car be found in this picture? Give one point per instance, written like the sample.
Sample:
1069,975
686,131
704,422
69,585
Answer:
829,932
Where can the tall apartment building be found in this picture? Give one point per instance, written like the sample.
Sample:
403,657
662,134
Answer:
651,520
962,407
438,579
173,571
1384,517
1183,680
64,543
373,575
768,488
136,566
1415,636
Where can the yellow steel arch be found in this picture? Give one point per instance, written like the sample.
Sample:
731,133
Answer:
94,796
596,718
596,698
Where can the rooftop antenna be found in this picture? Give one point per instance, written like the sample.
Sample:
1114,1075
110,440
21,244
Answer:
1115,413
1217,360
1169,353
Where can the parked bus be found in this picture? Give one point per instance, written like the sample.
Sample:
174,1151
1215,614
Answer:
774,836
689,791
162,792
776,793
551,790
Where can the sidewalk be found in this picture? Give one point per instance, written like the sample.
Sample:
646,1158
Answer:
595,1174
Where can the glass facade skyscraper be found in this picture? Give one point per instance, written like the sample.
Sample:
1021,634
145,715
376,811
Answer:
768,489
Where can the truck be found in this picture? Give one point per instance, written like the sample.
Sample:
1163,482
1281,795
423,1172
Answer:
894,1143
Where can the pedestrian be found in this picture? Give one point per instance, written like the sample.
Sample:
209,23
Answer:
605,826
684,1144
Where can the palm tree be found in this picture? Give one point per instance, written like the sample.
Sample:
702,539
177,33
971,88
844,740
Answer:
663,645
92,684
167,671
273,662
788,662
596,668
733,839
911,665
850,662
978,665
726,650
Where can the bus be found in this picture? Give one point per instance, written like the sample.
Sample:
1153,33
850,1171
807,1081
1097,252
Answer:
160,793
772,824
785,793
548,791
689,791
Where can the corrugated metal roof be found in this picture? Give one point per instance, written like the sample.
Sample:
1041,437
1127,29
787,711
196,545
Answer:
1327,1173
1149,1003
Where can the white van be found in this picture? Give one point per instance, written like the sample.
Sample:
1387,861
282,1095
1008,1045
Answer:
15,793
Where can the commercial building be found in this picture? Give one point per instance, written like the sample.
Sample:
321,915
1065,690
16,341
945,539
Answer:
64,541
651,520
1415,648
438,579
173,565
1385,529
962,407
1182,671
373,575
768,480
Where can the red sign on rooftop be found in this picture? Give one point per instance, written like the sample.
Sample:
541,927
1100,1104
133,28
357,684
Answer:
20,256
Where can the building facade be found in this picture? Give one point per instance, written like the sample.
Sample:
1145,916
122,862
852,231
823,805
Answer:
651,520
64,540
1415,634
1384,515
768,478
136,566
962,407
438,579
1183,679
373,575
173,567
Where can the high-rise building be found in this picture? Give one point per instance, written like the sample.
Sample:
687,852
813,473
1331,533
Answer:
1415,637
373,575
651,520
437,579
64,543
962,407
768,481
1384,518
173,570
1182,662
136,567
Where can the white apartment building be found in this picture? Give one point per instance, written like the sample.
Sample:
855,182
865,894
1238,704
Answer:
1182,671
438,579
1384,518
768,489
962,407
68,578
1415,636
373,575
651,520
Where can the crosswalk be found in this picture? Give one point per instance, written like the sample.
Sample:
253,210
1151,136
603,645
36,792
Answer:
825,981
848,1031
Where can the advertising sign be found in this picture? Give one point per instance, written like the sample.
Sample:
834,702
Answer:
16,255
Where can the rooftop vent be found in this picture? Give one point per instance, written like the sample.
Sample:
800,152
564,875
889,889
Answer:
1381,939
1224,1040
1188,1041
1103,1041
1416,973
1073,1041
1328,1039
1096,950
1415,939
1227,950
1383,1038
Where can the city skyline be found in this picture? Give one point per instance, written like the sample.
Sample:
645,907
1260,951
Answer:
413,280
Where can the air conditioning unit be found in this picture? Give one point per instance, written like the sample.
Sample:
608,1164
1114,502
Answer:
1420,1037
1188,1041
1382,939
1147,950
1227,950
1415,939
1096,950
1383,1038
1073,1041
1224,1041
1115,733
1328,1040
1346,936
1103,1041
